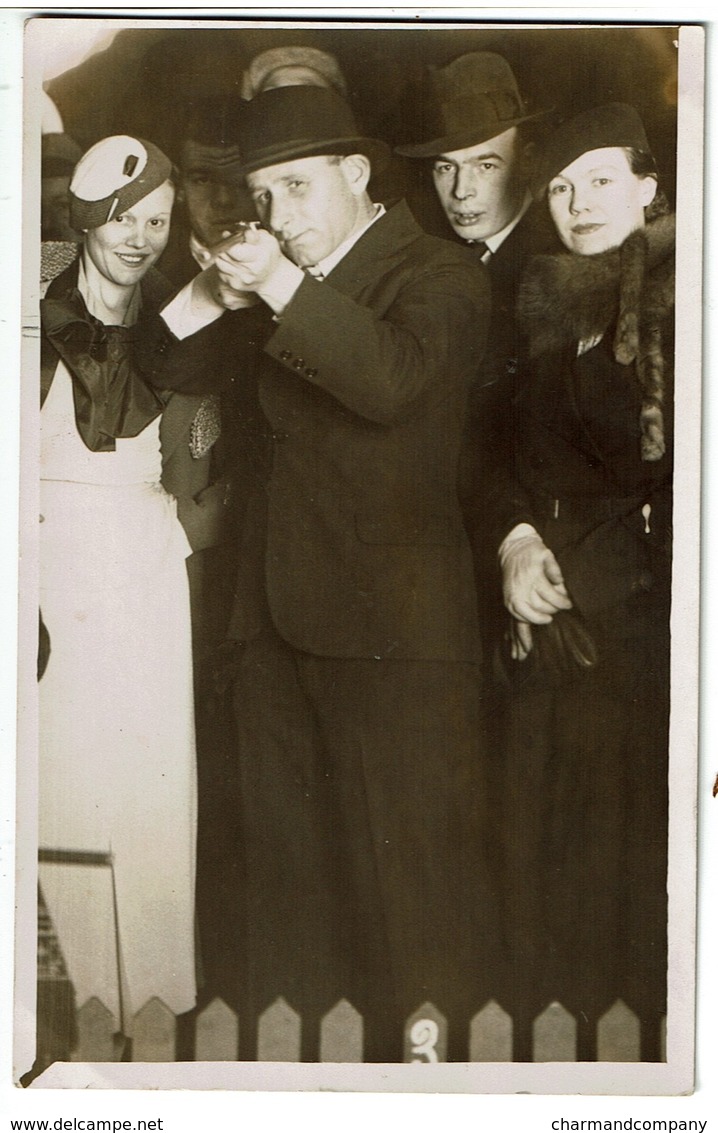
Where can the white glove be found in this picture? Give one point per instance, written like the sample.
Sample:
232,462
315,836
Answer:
533,585
520,639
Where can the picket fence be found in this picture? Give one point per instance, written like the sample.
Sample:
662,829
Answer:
216,1035
215,1029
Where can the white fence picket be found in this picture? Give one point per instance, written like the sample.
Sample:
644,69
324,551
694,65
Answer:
342,1034
554,1034
425,1035
279,1034
491,1037
618,1035
217,1033
153,1033
95,1028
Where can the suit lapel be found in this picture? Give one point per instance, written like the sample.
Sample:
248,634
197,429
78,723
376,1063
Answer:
385,240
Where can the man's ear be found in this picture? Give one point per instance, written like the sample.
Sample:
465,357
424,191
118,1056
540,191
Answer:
357,171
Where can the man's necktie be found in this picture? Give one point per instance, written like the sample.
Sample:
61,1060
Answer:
480,248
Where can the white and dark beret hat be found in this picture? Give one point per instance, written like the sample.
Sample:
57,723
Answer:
112,176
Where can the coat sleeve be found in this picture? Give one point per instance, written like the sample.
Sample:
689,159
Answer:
205,362
384,363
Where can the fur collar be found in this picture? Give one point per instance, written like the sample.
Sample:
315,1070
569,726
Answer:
567,299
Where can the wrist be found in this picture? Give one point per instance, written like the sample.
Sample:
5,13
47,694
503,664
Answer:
281,285
520,536
203,302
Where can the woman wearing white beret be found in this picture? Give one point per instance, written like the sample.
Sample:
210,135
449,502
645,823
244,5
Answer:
117,748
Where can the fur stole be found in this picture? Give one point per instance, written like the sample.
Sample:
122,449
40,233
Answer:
567,299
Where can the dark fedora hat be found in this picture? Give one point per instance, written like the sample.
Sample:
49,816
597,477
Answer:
615,124
290,122
468,101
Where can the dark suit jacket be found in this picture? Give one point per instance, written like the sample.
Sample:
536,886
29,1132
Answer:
490,428
354,544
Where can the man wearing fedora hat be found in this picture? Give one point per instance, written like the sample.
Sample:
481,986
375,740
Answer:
473,123
357,694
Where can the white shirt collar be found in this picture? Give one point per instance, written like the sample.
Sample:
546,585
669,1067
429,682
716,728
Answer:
329,262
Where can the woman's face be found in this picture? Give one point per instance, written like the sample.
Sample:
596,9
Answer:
124,249
597,201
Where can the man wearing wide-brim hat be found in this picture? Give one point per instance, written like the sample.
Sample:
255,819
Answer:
473,124
476,132
358,681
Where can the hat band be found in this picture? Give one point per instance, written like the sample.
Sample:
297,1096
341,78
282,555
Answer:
480,112
295,148
500,105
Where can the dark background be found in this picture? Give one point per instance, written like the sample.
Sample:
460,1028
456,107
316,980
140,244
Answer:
143,81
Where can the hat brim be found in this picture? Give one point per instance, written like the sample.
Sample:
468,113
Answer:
377,151
473,136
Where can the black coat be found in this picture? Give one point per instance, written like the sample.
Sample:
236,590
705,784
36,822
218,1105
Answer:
488,440
586,748
580,475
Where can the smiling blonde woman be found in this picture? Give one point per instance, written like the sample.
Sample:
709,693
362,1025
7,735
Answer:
117,747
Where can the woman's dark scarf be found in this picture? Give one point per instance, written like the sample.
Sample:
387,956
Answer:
111,399
571,298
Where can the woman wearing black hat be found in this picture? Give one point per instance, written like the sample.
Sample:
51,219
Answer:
586,567
117,748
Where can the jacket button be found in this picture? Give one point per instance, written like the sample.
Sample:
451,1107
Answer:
285,355
311,372
298,363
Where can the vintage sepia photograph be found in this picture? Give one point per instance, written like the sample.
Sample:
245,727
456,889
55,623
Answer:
361,368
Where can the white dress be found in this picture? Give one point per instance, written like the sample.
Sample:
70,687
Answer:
117,748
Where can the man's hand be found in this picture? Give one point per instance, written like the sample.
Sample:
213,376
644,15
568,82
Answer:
249,263
257,264
208,290
534,589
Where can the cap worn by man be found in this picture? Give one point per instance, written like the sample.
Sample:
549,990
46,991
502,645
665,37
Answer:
292,66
